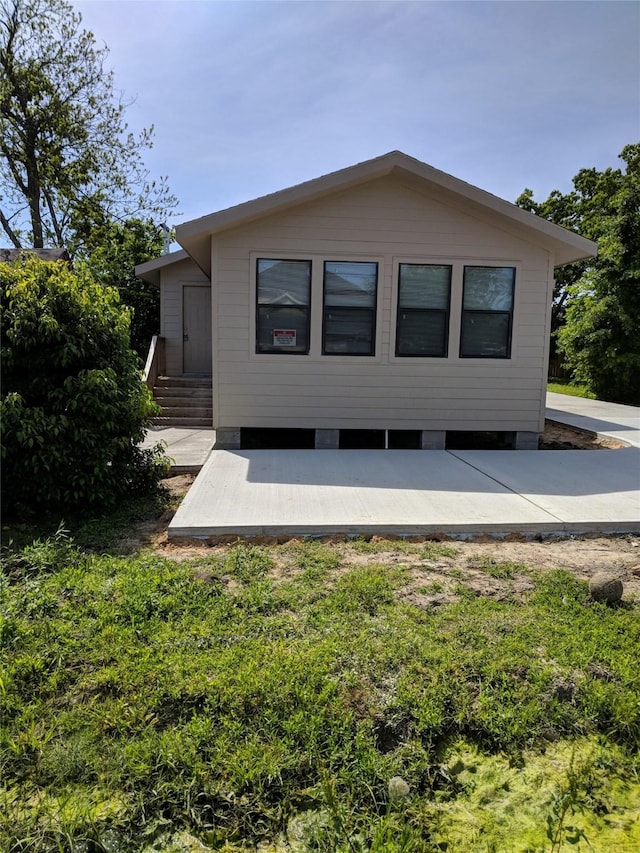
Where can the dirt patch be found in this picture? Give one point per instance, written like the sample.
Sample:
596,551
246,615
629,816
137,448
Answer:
500,569
504,569
558,436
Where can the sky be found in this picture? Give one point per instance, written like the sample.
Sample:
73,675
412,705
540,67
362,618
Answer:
247,98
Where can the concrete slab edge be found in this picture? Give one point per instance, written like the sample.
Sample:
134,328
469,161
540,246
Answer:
174,470
461,531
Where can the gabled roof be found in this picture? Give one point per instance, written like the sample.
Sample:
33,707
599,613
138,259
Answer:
150,270
195,235
8,256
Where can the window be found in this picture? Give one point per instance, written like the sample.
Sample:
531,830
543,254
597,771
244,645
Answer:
349,319
487,312
422,326
283,294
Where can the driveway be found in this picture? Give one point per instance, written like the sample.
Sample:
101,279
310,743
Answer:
610,420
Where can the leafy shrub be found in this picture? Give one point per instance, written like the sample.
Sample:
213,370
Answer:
73,406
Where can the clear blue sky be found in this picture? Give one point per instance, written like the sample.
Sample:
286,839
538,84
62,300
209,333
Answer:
251,97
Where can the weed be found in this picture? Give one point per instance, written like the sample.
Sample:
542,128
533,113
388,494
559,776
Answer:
501,569
436,551
41,556
317,560
464,592
248,562
383,546
435,586
565,802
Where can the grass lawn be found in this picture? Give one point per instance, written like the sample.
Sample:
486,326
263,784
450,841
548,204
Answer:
565,387
313,697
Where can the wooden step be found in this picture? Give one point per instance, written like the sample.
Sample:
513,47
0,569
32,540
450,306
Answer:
183,381
193,423
184,401
187,412
181,398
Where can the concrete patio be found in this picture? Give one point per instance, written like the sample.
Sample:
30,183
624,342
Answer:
395,492
454,493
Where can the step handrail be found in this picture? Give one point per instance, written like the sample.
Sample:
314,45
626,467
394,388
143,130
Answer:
154,366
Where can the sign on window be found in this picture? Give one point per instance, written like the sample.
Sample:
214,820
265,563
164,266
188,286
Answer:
284,337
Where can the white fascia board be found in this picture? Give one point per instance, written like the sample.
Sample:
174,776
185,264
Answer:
150,270
195,234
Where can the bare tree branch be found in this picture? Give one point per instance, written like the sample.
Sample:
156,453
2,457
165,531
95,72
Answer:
11,234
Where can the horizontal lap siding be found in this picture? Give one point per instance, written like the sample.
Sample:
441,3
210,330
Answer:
383,220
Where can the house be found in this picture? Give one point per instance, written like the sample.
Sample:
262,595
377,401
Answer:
9,256
388,297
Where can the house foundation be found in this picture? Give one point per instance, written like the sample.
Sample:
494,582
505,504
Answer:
327,439
433,439
228,438
526,441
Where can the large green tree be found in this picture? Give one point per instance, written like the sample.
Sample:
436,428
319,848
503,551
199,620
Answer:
69,165
112,261
596,318
73,407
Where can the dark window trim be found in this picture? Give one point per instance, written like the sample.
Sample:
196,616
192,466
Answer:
488,312
373,311
307,308
446,311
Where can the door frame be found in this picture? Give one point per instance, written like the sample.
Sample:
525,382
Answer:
183,285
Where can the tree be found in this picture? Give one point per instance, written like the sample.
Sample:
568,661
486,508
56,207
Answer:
73,406
69,166
112,263
564,211
597,302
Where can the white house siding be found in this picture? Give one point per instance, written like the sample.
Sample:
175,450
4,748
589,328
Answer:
388,222
172,280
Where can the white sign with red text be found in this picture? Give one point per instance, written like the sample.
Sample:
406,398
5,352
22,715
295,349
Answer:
284,337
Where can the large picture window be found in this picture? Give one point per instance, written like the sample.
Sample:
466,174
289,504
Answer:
283,295
422,327
349,317
487,312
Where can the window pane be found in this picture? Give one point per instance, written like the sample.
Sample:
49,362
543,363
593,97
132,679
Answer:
424,286
421,333
488,288
284,282
351,284
283,329
485,335
348,330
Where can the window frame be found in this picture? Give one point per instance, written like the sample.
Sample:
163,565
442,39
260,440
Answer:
423,311
282,350
345,308
488,312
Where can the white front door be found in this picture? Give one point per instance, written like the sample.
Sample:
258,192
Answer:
196,329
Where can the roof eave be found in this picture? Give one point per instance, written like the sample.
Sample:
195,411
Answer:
150,270
580,251
195,234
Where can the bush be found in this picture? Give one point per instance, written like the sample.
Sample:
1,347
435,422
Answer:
73,405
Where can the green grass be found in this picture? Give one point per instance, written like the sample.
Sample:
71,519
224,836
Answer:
500,569
565,387
157,705
424,550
